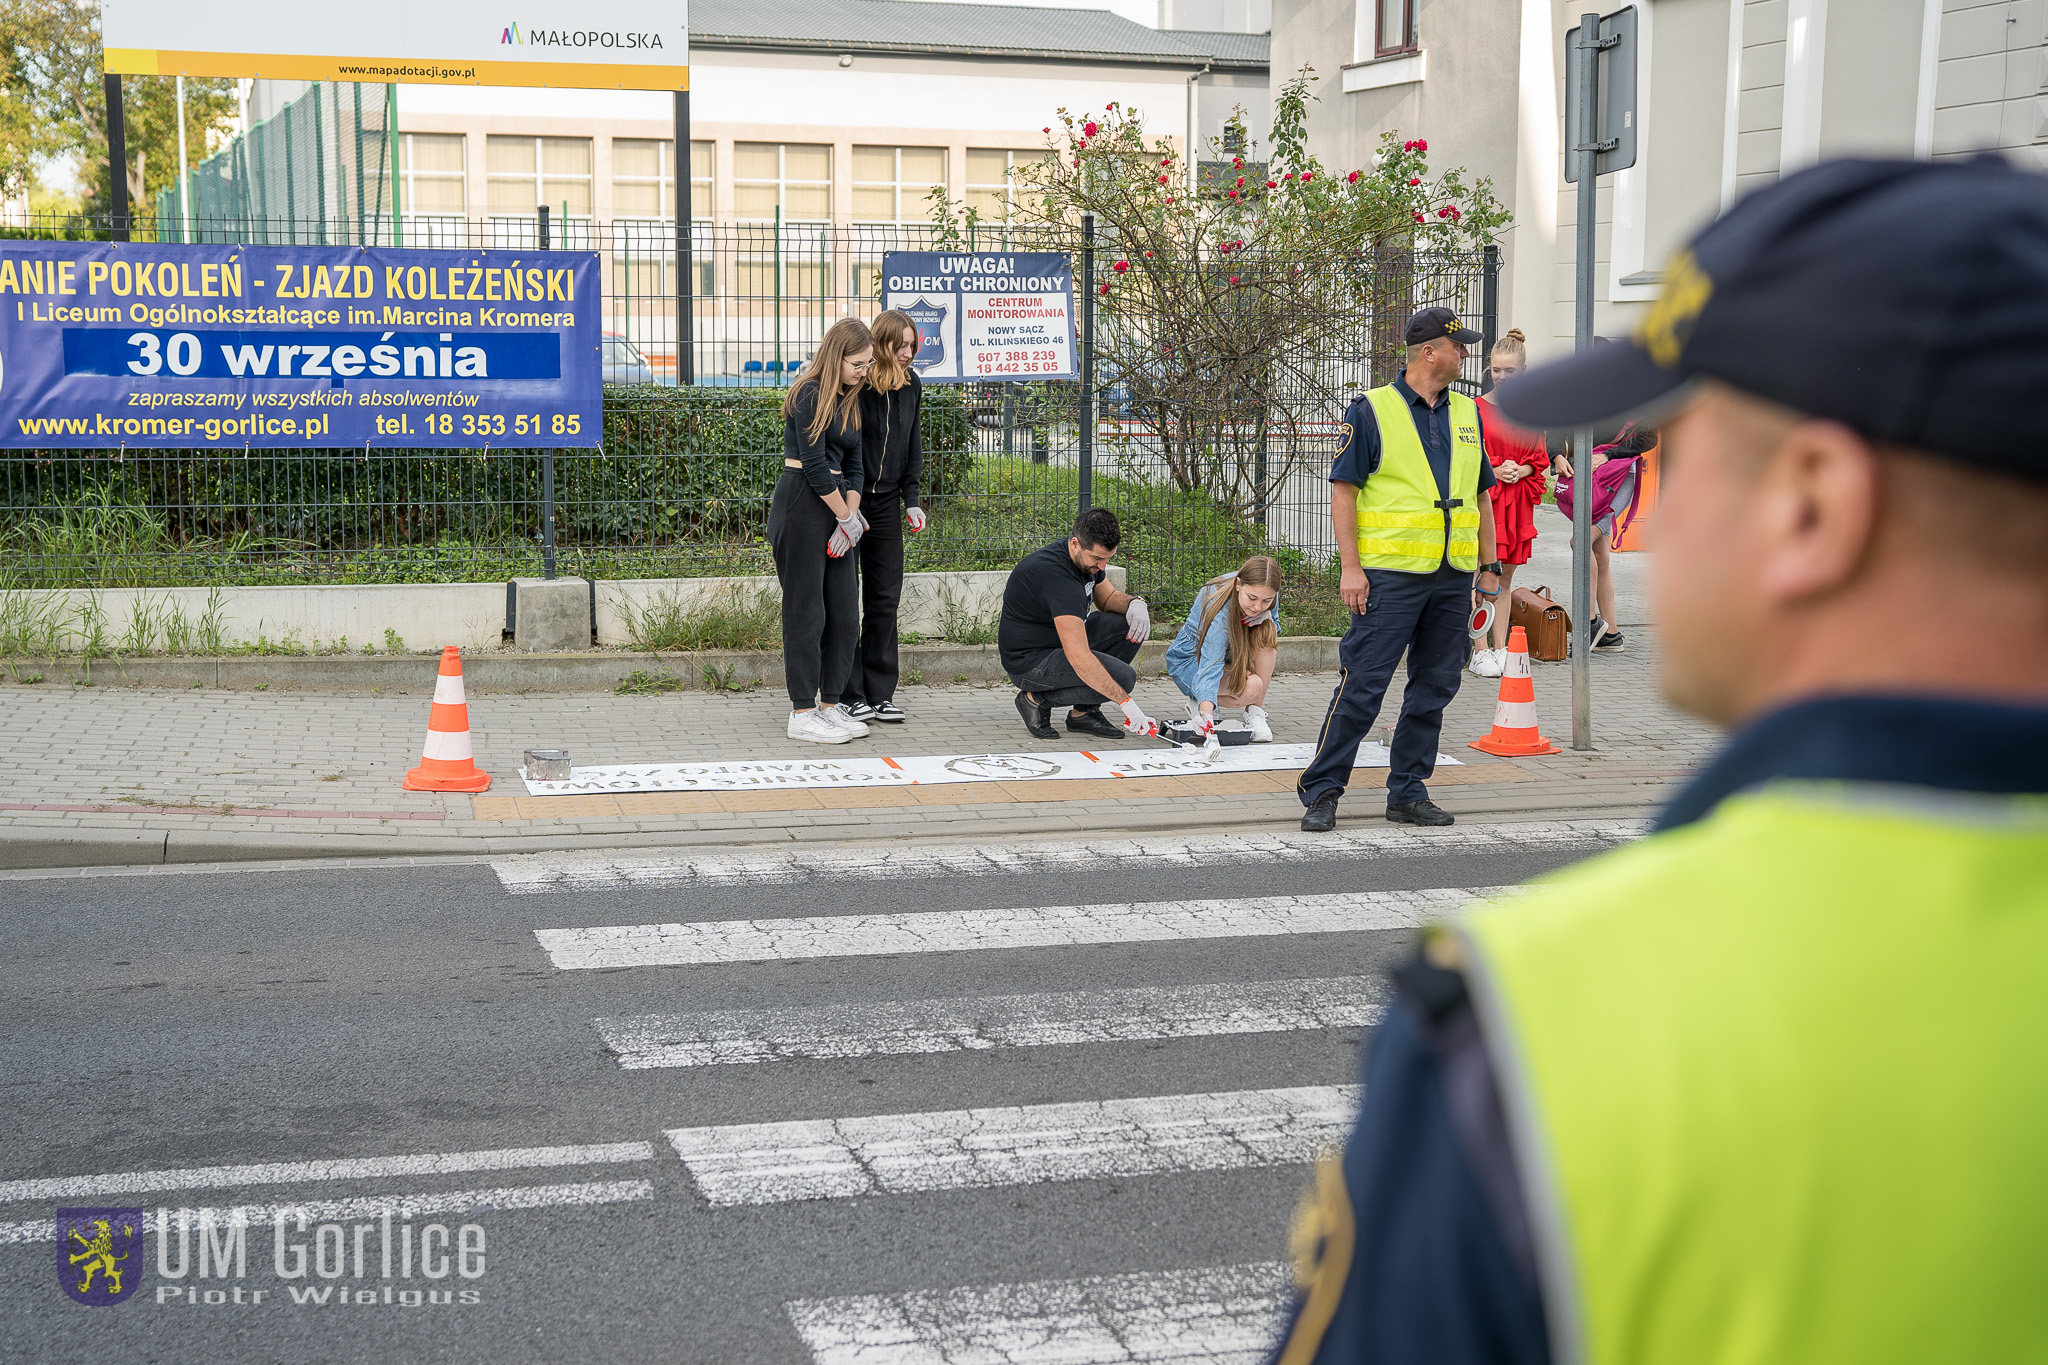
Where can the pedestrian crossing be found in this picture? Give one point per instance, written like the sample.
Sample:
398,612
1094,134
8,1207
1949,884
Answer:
825,1161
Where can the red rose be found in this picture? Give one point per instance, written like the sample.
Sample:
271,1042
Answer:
1240,182
1045,130
1272,184
1104,289
1414,180
1237,163
1162,180
1420,145
1230,194
1443,213
1088,128
1408,146
1148,255
1419,218
1233,279
1354,177
1306,177
1121,266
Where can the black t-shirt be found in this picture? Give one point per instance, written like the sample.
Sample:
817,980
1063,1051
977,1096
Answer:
1046,584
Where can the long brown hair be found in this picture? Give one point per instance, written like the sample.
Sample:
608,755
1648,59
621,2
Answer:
836,407
1243,641
891,330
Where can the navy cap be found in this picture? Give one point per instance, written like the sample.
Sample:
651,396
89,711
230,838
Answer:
1431,323
1906,299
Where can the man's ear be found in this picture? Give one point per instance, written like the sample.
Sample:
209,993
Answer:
1817,505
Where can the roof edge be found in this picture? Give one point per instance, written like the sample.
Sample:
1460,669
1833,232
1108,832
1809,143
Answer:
1188,61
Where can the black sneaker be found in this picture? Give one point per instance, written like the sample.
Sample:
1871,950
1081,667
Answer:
1610,641
1093,723
1423,812
859,710
886,711
1321,817
1037,717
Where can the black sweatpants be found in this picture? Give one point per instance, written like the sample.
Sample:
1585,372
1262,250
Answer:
881,592
1423,615
820,598
1053,680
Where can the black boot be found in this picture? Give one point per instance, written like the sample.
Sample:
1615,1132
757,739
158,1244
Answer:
1321,817
1037,716
1423,812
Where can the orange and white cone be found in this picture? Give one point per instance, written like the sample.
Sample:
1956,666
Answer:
446,763
1514,716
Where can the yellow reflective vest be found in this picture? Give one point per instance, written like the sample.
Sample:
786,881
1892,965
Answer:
1778,1082
1401,522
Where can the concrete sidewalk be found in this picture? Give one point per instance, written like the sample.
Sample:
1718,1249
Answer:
106,776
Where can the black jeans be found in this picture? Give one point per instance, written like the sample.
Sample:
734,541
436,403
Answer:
820,598
881,592
1424,615
1053,680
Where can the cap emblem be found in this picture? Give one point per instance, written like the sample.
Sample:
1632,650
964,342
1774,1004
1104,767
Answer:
1665,331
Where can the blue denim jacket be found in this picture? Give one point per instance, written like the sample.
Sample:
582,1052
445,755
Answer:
1198,666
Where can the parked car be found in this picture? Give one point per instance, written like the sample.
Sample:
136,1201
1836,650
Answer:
624,364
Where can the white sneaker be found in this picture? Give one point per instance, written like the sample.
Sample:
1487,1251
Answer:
836,715
1489,663
813,726
1255,717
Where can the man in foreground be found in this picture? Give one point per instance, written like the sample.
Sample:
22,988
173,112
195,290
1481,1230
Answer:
1056,652
1764,1086
1413,523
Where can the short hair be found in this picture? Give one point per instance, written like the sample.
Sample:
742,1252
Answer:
1096,528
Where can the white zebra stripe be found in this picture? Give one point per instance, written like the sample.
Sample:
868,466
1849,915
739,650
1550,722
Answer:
897,1028
774,1163
447,744
343,1168
949,931
1222,1315
375,1206
536,873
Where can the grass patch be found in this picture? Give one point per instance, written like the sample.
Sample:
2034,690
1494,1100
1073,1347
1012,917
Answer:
643,683
739,618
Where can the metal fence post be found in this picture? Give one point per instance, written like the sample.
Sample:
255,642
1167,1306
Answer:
547,459
117,160
686,265
1087,453
1489,315
391,161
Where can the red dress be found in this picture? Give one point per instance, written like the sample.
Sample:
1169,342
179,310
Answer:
1514,504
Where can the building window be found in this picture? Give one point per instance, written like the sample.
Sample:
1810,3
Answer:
992,183
890,183
526,172
1394,33
644,178
795,177
431,173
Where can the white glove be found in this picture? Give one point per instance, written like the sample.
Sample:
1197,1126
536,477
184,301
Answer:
1136,722
916,518
1205,724
1140,618
847,536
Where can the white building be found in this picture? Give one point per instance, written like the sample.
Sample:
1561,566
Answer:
1732,93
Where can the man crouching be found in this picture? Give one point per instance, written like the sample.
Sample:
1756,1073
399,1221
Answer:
1059,655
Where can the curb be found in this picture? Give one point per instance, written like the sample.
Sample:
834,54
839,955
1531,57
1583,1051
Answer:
495,673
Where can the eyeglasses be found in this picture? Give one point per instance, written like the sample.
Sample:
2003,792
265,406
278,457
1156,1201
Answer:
861,366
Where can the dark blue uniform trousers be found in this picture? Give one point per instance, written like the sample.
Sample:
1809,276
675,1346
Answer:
1424,614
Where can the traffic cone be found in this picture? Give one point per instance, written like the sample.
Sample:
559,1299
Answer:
446,764
1514,716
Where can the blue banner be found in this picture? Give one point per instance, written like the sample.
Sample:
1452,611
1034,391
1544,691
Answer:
986,314
113,344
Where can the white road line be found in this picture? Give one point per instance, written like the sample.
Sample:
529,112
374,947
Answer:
896,1028
774,1163
375,1206
953,931
1225,1315
534,873
346,1168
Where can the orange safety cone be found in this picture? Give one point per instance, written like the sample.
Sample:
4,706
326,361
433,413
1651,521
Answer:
446,764
1514,716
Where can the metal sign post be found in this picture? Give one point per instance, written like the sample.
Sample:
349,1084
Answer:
1600,139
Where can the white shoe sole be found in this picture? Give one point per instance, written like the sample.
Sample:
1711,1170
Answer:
822,732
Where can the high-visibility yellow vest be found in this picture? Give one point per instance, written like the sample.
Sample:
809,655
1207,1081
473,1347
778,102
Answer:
1401,522
1778,1082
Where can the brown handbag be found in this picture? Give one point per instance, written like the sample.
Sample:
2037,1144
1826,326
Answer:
1545,623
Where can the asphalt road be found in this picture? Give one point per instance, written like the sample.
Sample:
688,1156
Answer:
183,1022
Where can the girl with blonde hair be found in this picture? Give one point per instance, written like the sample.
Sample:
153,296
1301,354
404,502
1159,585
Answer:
814,523
891,404
1519,459
1225,651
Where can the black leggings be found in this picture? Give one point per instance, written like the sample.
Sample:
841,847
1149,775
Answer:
820,595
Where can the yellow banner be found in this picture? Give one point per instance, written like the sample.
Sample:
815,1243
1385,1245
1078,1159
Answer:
130,61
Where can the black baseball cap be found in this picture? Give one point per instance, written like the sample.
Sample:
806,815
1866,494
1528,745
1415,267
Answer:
1431,323
1906,299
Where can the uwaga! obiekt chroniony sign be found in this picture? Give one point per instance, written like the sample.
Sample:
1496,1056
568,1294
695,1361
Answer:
986,315
114,344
